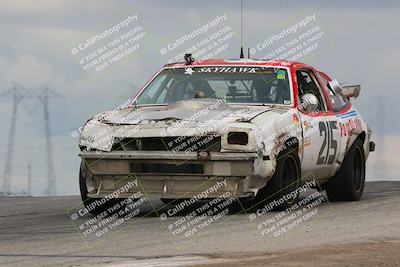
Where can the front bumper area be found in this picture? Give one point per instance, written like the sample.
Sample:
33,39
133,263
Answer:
171,175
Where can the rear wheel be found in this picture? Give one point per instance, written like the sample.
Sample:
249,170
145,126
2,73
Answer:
348,183
281,188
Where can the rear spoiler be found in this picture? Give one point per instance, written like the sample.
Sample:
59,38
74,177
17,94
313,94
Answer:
347,91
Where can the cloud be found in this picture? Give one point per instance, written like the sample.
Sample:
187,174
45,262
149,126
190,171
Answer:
28,70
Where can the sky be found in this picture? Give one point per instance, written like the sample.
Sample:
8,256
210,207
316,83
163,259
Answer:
359,44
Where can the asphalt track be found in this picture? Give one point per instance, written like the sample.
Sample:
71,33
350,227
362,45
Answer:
37,231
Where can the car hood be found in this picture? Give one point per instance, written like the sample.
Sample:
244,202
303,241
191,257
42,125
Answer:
193,110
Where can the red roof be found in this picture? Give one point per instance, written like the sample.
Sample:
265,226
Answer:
238,62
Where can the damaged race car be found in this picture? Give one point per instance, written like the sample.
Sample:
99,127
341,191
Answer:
257,129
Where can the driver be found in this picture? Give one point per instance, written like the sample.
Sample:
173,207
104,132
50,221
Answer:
199,94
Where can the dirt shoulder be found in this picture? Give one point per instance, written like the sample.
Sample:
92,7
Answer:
373,253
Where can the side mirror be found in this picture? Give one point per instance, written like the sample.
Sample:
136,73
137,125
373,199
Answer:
309,103
351,91
346,91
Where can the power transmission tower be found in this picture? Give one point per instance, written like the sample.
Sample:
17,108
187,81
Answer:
43,94
51,177
29,190
17,97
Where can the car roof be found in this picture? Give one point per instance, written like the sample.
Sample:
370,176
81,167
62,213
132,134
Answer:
240,62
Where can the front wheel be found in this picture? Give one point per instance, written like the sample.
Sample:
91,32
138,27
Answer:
93,205
281,188
348,182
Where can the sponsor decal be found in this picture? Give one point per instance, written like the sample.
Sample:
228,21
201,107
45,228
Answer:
229,69
348,114
307,125
295,120
347,127
189,71
281,74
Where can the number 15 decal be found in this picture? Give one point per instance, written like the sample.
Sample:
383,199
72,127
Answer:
325,156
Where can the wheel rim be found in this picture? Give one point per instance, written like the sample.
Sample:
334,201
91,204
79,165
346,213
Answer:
358,170
89,184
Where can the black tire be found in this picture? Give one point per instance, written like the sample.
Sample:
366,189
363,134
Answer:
284,181
88,201
167,201
348,183
173,201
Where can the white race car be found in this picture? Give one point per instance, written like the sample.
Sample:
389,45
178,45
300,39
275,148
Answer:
252,128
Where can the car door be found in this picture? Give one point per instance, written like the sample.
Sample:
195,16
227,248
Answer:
321,132
346,114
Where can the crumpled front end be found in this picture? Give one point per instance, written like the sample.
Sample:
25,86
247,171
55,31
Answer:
175,164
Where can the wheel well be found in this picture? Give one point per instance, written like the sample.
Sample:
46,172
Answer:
292,142
361,136
353,139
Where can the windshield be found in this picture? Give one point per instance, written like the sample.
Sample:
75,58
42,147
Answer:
259,85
